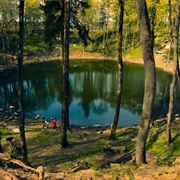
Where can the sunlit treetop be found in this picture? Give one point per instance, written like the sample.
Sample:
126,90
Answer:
34,3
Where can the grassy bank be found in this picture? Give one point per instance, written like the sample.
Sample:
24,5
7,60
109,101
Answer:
87,151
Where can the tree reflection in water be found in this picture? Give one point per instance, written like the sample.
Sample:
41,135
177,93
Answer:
93,86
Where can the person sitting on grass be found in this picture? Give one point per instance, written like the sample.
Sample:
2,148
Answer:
44,123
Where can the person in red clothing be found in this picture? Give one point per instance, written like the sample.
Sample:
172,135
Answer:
54,124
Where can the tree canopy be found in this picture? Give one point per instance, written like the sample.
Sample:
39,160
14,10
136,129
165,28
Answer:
53,18
88,20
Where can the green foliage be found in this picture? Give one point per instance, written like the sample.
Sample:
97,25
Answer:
34,45
74,37
54,17
111,43
133,53
85,14
85,22
8,26
33,17
53,20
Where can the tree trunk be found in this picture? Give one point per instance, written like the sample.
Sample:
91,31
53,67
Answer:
150,80
120,64
20,80
153,18
174,78
65,58
170,29
125,38
1,150
104,39
133,40
4,47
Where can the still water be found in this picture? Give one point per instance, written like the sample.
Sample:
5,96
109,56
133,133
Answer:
93,86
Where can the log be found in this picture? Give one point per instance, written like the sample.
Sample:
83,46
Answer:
115,149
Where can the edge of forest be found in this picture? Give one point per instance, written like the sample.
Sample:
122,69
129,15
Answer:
160,61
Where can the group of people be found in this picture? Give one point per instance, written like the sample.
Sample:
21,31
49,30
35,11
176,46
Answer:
45,124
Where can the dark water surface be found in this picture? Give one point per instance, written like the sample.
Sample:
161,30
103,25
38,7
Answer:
93,87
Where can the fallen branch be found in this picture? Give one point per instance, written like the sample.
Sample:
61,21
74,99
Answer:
39,170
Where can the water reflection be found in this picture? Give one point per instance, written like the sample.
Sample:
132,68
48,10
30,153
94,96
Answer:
93,92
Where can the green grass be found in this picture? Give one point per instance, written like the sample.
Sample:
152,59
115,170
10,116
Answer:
4,133
86,146
158,145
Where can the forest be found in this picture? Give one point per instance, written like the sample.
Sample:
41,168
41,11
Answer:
32,29
98,18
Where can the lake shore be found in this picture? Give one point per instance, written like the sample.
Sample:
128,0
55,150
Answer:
160,62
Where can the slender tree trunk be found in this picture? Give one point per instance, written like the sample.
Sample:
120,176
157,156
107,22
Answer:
174,78
104,39
153,18
65,57
170,29
107,37
20,81
125,38
120,64
4,47
170,111
150,80
1,150
133,40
